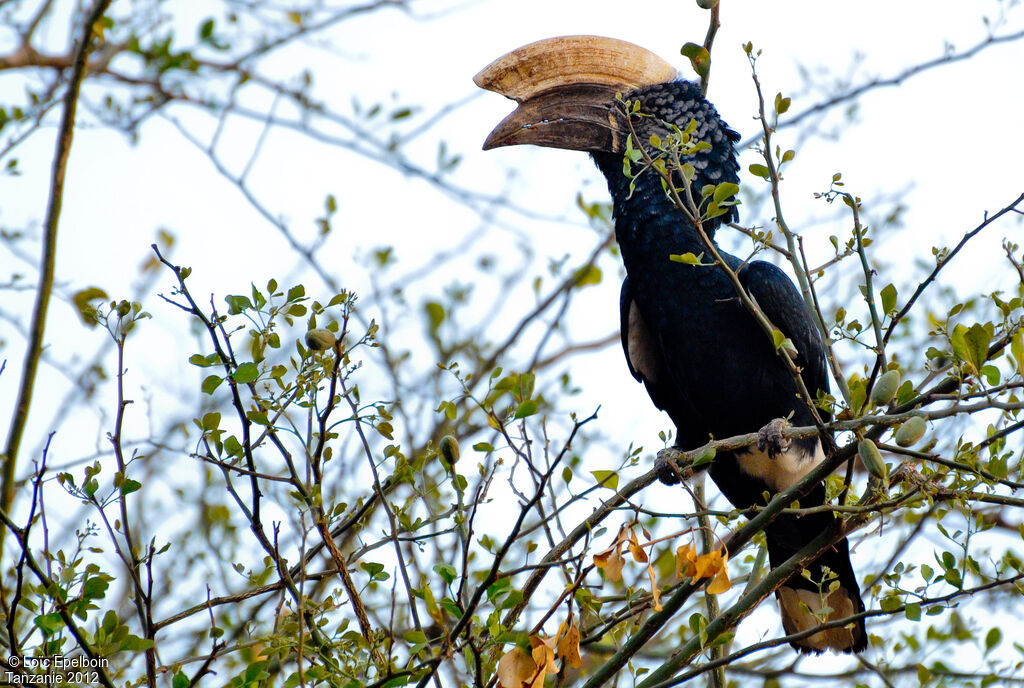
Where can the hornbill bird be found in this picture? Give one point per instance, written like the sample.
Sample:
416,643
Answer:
687,336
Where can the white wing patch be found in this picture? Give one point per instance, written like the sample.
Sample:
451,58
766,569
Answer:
784,470
643,356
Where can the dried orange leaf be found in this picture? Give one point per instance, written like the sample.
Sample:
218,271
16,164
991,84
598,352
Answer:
612,562
655,590
720,583
569,645
635,549
544,654
686,558
709,564
516,669
611,559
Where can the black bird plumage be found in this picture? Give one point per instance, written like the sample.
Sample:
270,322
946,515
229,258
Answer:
701,355
699,352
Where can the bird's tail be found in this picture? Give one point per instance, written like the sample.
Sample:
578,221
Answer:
825,591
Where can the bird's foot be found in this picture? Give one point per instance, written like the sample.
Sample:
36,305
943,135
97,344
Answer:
771,439
667,464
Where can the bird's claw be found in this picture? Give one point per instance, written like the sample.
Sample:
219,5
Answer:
667,466
771,438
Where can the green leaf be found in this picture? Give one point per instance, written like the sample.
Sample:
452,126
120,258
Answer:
180,680
129,486
435,312
591,274
135,644
686,258
525,409
232,446
991,374
414,637
760,170
95,588
447,572
204,361
889,299
890,603
706,456
246,373
211,383
206,29
781,104
448,408
992,639
971,344
50,624
372,567
237,304
698,56
783,342
913,611
1017,349
83,299
725,190
609,479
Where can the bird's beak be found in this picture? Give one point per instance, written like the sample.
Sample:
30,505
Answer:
566,88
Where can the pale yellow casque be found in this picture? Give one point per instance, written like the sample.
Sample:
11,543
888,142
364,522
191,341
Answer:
553,62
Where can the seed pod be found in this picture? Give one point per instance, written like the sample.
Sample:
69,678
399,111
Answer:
449,451
911,432
320,340
885,387
706,4
872,459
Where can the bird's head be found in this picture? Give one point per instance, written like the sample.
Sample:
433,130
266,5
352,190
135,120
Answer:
604,96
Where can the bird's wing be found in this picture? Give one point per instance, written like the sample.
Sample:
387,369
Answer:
639,344
779,300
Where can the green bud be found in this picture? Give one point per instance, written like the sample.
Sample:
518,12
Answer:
320,340
911,432
885,387
449,451
872,459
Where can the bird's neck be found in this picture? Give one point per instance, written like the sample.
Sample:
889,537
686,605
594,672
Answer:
646,220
